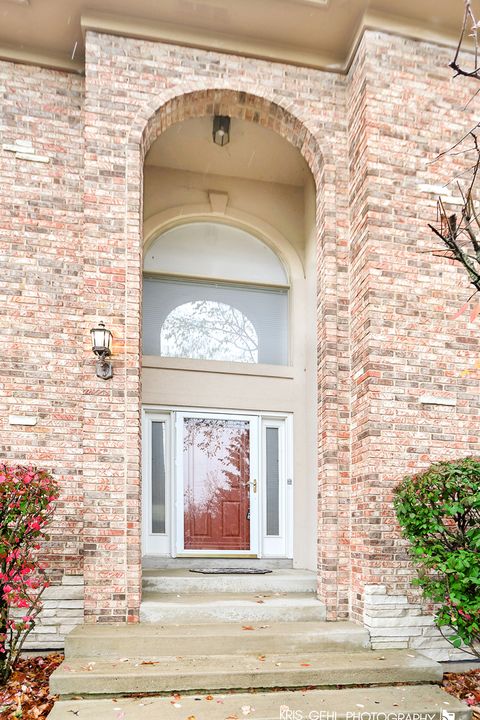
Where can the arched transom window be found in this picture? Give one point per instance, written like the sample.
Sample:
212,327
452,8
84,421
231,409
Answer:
214,292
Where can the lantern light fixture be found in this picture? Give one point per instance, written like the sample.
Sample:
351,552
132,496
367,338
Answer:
102,348
221,130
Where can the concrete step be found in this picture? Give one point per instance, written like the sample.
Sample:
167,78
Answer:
159,562
85,677
231,607
183,581
394,702
118,641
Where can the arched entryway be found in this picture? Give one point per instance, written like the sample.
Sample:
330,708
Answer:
228,315
273,116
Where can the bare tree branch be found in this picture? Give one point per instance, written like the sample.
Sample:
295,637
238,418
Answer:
459,230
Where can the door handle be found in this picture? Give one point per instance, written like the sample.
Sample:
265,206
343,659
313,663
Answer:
253,483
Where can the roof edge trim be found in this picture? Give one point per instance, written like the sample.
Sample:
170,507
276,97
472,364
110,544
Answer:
40,58
182,35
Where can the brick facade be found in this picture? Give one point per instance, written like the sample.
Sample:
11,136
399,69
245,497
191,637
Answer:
411,405
388,350
41,290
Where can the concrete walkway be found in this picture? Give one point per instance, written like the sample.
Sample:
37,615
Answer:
194,673
216,646
427,702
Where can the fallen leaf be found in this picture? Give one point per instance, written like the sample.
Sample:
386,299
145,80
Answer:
247,709
26,694
89,667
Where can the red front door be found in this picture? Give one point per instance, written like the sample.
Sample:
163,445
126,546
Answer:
216,477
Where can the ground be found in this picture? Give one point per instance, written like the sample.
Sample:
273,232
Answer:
26,695
465,686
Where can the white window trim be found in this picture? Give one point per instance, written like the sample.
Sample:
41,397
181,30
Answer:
156,543
218,366
280,545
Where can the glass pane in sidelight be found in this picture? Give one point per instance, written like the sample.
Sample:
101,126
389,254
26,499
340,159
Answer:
158,477
273,481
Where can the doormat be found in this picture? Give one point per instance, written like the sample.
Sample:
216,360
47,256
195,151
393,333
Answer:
231,571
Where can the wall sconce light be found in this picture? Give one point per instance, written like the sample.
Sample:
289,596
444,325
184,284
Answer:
102,347
221,130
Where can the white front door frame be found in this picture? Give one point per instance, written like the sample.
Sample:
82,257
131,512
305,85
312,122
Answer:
171,543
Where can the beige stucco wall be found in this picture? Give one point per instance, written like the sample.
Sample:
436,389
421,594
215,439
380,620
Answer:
275,203
282,215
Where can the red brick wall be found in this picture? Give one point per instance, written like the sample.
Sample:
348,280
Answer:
70,234
151,85
41,288
403,110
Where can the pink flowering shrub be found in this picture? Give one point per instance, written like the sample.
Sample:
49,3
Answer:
27,497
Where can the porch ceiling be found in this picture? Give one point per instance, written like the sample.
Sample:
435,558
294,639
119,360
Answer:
253,153
318,33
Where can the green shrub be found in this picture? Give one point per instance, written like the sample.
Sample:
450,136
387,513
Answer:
439,512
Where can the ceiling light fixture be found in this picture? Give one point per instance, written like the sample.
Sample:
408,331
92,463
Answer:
221,130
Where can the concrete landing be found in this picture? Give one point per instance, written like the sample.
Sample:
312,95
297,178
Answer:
314,704
231,607
160,563
82,676
118,641
181,581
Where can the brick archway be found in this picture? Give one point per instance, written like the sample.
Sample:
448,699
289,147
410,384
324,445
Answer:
281,115
262,110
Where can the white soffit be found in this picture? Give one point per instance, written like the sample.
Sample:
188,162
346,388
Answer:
312,33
